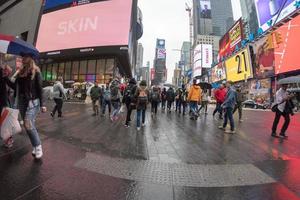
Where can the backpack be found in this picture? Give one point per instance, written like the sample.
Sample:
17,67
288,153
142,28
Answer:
128,93
142,98
107,95
155,96
114,91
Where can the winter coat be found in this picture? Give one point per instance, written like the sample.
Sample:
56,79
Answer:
220,95
95,93
195,93
3,92
58,91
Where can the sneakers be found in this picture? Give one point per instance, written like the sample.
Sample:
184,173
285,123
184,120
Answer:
230,131
274,135
283,136
222,128
241,120
52,114
143,124
33,152
127,126
38,152
138,128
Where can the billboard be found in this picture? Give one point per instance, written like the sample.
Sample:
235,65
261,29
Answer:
232,38
267,11
207,55
287,55
205,9
260,90
238,67
197,69
264,59
218,73
161,53
104,23
160,44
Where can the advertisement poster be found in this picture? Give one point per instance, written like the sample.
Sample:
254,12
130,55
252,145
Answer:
218,73
197,69
238,67
205,9
264,60
161,53
287,54
269,9
104,23
207,55
232,38
260,90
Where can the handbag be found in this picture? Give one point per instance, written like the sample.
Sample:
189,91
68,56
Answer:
274,107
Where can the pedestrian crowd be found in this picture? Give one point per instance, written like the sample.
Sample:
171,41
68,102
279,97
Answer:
132,97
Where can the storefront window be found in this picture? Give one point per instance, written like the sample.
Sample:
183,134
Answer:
91,67
110,63
75,69
100,69
61,69
44,70
83,67
54,71
68,70
48,72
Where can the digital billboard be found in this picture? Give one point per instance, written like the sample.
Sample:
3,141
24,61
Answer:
205,9
161,53
287,55
197,69
232,38
207,56
104,23
218,73
160,44
269,10
264,59
238,67
58,4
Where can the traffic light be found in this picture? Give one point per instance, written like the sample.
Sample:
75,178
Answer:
269,43
278,38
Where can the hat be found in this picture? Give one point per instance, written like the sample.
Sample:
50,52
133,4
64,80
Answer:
143,83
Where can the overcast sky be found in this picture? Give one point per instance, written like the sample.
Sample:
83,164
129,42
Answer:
167,19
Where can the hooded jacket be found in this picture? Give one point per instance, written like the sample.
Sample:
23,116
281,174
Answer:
195,93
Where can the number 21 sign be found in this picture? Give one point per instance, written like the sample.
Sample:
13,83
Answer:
238,67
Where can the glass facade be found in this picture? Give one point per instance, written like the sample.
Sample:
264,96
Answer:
101,70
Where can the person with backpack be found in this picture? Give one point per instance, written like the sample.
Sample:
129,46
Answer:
240,98
163,97
95,96
155,99
115,99
178,100
129,99
58,96
170,98
141,95
194,98
106,100
204,101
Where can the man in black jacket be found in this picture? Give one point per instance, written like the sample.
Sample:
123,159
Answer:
129,99
4,72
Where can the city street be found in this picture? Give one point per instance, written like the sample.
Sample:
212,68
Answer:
172,157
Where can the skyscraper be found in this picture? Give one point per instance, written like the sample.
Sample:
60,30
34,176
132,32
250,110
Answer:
139,58
249,15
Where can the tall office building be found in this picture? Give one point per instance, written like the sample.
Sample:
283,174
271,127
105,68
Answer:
249,15
160,62
139,59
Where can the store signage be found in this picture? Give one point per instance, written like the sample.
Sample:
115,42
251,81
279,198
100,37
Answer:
218,73
87,50
53,53
161,53
270,12
207,56
238,67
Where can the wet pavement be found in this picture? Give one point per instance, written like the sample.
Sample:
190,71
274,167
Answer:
172,157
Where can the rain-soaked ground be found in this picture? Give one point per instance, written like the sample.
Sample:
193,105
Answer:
88,157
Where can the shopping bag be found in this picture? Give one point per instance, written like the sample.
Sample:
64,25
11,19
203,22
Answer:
9,123
122,109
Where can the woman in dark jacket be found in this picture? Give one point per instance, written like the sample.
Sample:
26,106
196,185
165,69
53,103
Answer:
3,91
28,87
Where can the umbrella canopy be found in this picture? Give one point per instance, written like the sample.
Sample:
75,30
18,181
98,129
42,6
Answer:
205,85
290,80
169,85
15,46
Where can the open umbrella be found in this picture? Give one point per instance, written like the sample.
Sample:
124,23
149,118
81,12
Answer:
205,85
169,85
15,46
290,80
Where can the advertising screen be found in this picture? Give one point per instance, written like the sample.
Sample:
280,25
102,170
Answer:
161,53
238,67
104,23
205,9
218,73
197,70
207,56
287,54
269,9
264,60
232,38
260,90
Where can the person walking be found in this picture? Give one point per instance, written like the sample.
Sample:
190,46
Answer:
204,101
155,99
283,107
183,100
228,105
163,99
115,99
142,96
102,89
129,99
106,100
178,100
240,98
220,95
95,96
170,98
58,96
194,98
29,93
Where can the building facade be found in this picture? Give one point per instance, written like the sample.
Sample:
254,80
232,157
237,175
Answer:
139,59
249,16
160,63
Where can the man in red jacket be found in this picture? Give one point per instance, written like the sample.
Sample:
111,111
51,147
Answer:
220,95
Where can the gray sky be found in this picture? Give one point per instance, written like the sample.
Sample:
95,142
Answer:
167,19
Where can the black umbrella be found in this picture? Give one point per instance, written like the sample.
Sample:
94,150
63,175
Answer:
205,85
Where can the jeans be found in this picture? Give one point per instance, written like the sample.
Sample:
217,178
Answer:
116,108
203,105
58,107
129,111
154,105
285,126
218,109
29,122
106,103
163,104
239,107
183,107
194,107
229,115
138,117
178,105
169,105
